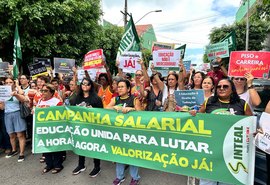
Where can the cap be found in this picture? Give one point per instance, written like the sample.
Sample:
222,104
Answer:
214,63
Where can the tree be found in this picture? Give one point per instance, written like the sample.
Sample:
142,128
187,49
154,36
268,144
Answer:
50,28
109,41
257,34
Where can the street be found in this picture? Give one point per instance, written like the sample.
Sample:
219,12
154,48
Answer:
29,173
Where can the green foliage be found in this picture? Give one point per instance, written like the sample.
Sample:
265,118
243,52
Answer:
109,41
257,34
147,56
50,28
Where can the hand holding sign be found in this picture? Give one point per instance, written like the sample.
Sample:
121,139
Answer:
249,78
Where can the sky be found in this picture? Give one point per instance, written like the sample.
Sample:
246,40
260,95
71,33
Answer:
180,22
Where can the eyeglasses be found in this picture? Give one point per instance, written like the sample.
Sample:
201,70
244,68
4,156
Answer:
44,90
86,84
225,87
241,79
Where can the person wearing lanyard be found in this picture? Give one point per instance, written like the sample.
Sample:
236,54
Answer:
125,103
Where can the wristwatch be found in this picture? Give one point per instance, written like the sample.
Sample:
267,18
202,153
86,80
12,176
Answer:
251,87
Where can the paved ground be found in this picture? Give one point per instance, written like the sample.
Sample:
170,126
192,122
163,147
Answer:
29,173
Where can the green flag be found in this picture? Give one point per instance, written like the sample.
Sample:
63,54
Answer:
231,37
17,53
130,40
182,49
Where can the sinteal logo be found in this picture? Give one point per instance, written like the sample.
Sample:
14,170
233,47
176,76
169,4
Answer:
221,111
237,149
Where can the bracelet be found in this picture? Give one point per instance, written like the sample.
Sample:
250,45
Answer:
181,70
251,87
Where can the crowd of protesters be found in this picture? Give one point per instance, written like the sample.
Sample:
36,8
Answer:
235,96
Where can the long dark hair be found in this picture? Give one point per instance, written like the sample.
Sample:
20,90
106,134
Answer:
176,77
192,79
234,98
92,88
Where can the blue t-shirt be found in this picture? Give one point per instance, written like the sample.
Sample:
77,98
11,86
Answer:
12,105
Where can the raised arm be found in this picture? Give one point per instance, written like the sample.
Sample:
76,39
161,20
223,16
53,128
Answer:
223,69
145,74
182,75
254,96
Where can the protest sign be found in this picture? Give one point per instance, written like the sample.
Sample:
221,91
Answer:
130,40
93,59
189,98
164,73
256,62
262,140
4,69
220,49
46,61
204,67
37,69
182,50
231,38
166,59
129,61
178,143
5,92
187,64
63,65
81,74
161,45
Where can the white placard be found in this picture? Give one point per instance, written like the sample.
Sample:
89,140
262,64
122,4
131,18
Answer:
5,92
129,61
262,140
166,59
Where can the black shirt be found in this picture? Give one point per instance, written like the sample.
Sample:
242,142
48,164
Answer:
93,99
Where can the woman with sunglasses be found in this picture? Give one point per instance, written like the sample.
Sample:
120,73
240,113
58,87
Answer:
54,160
227,102
246,91
125,103
87,97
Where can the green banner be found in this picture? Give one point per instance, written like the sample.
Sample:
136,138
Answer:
17,53
217,147
220,49
130,40
183,50
231,38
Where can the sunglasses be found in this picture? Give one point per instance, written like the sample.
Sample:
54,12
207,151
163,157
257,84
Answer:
241,79
138,75
225,87
44,90
86,84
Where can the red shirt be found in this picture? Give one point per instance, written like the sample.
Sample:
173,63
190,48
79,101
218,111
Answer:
216,75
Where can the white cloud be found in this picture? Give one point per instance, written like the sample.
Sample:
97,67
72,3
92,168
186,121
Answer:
181,21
